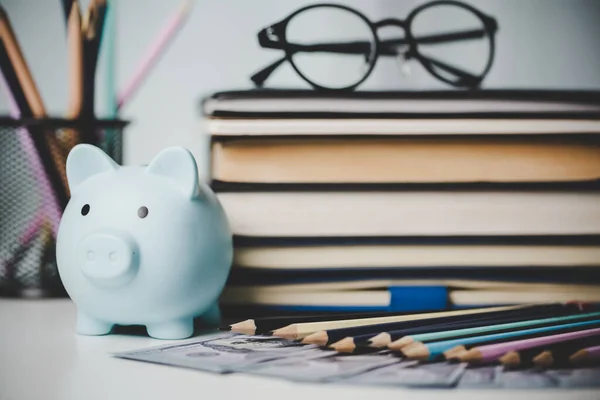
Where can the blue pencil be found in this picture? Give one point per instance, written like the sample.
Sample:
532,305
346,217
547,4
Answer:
435,350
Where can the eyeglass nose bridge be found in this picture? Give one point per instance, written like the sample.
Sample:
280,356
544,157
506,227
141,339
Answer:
390,22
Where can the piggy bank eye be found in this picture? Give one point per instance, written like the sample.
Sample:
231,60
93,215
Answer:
85,209
142,212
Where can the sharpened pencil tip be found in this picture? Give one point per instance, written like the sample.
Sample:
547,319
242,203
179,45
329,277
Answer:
244,327
319,338
381,340
454,352
470,356
511,359
401,343
287,332
580,357
416,351
544,359
346,345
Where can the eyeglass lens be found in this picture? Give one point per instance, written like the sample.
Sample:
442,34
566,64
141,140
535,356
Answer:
468,44
319,38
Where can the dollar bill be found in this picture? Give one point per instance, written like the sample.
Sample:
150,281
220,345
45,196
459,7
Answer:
414,374
525,379
221,352
479,377
576,378
321,366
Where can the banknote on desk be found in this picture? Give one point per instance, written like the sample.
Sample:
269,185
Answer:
320,365
220,352
414,374
227,352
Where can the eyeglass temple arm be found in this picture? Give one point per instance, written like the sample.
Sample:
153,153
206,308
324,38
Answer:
360,47
261,76
464,78
388,46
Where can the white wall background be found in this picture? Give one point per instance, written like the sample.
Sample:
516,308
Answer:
540,44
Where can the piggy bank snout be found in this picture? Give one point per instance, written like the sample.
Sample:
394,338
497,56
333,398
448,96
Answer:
109,258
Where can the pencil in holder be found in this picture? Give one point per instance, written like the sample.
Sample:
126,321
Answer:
34,193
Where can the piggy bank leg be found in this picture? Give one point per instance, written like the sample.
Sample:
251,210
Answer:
178,329
211,317
87,325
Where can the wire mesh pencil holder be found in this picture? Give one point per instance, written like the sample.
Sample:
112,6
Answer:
34,192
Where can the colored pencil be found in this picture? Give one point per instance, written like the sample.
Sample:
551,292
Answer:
556,309
30,104
555,354
490,353
30,90
479,330
92,27
51,208
259,326
435,350
335,335
67,6
154,52
76,68
559,354
381,340
588,356
456,352
108,59
302,330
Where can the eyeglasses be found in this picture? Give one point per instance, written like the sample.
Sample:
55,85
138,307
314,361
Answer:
334,47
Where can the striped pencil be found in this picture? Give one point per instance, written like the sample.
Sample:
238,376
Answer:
435,350
491,353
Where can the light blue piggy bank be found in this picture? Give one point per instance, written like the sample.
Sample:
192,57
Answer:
144,245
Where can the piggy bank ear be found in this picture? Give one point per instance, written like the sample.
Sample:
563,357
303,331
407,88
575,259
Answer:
177,164
85,161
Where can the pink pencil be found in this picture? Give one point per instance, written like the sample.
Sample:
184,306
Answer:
153,54
490,353
590,355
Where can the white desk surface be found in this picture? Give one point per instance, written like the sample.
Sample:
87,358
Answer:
42,358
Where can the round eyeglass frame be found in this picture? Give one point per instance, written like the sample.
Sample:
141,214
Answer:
413,51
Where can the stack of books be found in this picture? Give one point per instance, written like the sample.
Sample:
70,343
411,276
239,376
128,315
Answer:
407,201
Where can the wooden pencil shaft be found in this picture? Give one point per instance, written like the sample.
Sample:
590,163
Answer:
75,47
404,328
